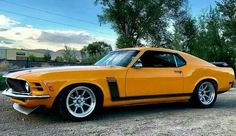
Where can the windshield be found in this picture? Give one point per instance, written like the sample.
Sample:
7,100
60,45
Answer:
118,58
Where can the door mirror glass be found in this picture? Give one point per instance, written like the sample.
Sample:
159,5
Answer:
138,64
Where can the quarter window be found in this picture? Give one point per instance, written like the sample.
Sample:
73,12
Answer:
180,61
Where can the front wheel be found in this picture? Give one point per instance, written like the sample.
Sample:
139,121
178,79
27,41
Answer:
205,94
78,103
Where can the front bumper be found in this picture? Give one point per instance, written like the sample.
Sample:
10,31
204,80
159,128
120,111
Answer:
9,93
24,110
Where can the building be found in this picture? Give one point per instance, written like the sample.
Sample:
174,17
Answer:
20,54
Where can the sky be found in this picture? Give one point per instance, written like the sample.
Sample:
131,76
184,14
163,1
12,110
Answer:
52,24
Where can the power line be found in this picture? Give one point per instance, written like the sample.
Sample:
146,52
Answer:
49,12
55,22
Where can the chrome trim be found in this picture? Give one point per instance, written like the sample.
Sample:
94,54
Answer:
30,89
24,110
10,93
19,93
5,75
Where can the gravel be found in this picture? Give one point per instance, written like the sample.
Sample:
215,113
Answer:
160,119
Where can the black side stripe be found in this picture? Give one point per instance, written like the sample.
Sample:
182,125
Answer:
115,96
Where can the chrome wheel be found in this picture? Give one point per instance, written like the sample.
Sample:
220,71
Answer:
81,101
206,93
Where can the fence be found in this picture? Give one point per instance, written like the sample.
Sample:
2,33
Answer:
28,64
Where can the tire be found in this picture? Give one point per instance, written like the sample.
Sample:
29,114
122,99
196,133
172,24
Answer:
78,103
205,94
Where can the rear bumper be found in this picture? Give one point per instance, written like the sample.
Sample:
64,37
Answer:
232,83
10,93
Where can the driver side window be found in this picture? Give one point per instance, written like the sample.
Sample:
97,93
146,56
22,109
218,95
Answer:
158,59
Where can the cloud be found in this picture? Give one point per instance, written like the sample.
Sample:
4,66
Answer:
6,22
66,37
29,37
34,38
21,33
6,41
3,29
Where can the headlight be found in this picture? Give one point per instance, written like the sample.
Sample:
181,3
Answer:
27,87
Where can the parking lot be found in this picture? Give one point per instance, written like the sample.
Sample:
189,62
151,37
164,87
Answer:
159,119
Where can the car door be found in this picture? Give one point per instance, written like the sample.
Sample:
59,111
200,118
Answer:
157,74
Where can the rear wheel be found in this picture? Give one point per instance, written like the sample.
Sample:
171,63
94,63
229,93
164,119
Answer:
205,94
78,103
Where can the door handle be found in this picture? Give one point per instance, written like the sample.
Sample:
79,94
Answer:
178,71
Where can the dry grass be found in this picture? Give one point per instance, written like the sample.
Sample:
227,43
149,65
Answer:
4,65
45,65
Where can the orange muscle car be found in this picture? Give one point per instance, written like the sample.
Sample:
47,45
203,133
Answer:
122,77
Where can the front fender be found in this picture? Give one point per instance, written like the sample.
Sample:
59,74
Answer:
66,84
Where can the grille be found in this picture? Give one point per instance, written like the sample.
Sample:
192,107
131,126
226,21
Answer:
17,85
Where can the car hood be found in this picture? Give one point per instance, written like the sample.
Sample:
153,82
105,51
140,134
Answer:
40,71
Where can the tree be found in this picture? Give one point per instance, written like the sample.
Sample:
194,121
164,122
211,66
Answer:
189,32
89,60
124,42
210,43
31,57
228,10
216,42
177,40
95,48
59,59
47,56
136,20
94,51
98,48
185,29
69,55
203,36
185,32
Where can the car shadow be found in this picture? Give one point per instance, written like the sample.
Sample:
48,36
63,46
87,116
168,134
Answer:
123,112
115,112
141,110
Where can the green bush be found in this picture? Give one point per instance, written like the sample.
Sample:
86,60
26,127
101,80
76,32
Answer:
2,83
90,60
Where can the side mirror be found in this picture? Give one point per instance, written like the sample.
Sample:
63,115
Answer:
138,64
